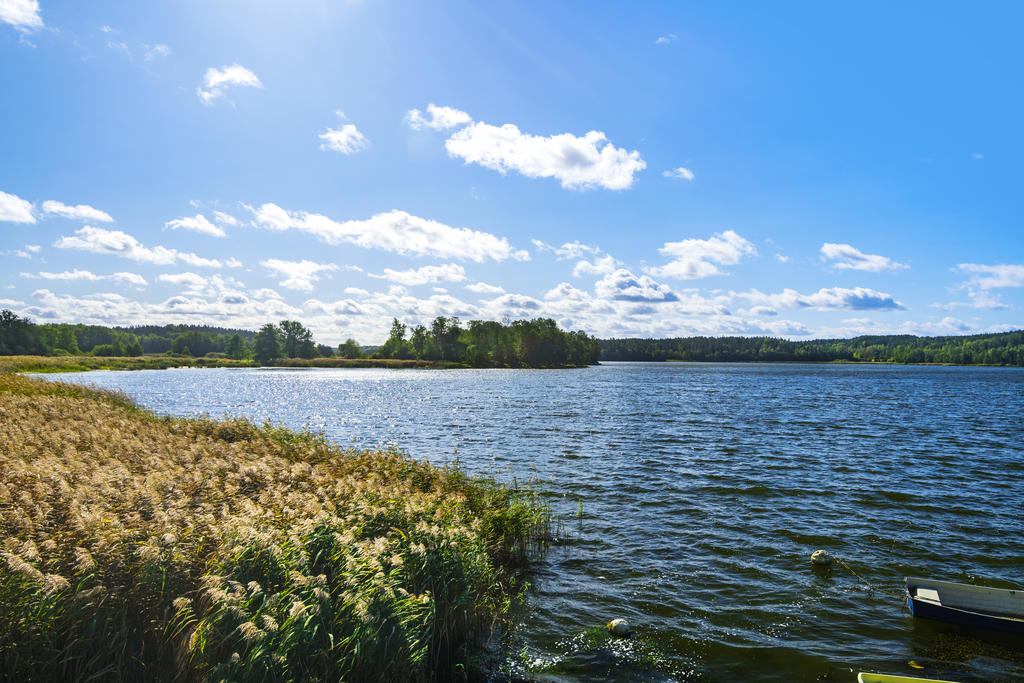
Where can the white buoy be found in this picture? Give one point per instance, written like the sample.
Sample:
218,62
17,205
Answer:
821,558
618,627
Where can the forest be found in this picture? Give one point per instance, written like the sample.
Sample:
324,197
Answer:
1004,348
521,343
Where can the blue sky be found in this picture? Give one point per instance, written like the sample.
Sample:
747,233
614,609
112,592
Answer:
629,169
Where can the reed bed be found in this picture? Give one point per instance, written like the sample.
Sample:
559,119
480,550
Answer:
83,363
137,547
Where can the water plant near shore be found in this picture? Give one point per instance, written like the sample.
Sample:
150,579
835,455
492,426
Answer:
139,547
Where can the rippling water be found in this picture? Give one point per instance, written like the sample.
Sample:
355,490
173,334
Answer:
704,489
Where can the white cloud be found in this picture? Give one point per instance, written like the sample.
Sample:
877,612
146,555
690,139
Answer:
197,223
225,218
833,298
569,250
665,40
622,285
82,212
849,257
395,231
346,140
579,163
21,14
298,274
217,80
194,260
440,118
28,251
680,173
192,281
118,243
14,209
983,279
696,258
996,276
599,266
781,258
484,288
154,51
449,272
77,274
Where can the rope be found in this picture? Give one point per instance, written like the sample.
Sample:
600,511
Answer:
865,581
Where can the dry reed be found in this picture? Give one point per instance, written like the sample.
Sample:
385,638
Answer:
143,548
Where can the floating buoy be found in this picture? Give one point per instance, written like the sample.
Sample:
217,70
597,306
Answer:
618,627
821,558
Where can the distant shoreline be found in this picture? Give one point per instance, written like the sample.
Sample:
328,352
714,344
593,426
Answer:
62,364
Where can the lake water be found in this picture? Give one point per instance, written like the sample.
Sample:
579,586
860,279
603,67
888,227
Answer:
705,487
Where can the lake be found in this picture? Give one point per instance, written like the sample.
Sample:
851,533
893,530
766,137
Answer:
704,489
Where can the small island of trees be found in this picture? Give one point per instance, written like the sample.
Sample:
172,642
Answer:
479,343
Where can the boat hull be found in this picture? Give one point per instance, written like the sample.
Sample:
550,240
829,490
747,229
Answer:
925,599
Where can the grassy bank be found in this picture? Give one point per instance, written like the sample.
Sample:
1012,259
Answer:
139,548
83,363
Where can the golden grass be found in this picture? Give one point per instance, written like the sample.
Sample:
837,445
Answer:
83,363
144,548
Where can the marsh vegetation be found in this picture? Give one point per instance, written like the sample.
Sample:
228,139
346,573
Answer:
140,547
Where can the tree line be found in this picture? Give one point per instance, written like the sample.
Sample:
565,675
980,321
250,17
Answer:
1005,348
521,343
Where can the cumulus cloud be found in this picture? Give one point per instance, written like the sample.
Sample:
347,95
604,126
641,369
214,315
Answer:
832,298
346,139
27,252
995,276
569,250
438,118
298,274
848,257
695,258
225,218
118,243
578,163
197,223
449,272
14,209
21,14
484,288
599,266
622,285
981,280
216,81
679,173
395,231
82,212
666,39
77,274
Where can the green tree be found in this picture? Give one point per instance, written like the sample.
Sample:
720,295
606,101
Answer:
350,349
419,340
396,346
268,345
133,347
237,348
297,340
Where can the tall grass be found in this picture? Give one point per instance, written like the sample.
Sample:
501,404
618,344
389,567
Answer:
83,363
144,548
